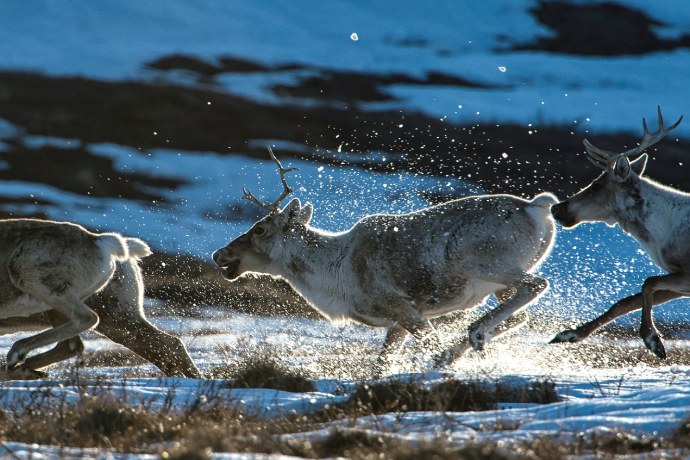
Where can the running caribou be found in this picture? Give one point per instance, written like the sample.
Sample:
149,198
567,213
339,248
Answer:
658,217
64,277
397,271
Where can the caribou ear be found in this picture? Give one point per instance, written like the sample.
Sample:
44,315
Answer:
620,168
284,217
639,164
304,215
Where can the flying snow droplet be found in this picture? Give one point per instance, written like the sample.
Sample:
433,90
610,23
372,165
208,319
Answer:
504,155
502,69
354,37
320,169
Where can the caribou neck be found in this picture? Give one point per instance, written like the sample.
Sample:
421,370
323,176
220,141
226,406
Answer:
649,211
311,258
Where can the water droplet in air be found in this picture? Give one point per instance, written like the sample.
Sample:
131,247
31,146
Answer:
502,69
354,37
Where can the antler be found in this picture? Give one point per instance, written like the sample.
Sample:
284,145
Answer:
601,158
247,195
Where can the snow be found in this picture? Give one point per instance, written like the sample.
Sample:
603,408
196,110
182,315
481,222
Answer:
115,40
590,267
595,402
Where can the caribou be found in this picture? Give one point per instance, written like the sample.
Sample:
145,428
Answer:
657,216
397,271
61,276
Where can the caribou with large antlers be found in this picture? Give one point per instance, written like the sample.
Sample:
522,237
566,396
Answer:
397,271
658,217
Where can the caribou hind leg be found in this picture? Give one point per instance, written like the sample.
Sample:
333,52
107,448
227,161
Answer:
455,352
63,350
165,351
526,291
79,319
462,345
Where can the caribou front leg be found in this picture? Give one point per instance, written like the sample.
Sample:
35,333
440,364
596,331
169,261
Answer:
620,308
673,282
395,337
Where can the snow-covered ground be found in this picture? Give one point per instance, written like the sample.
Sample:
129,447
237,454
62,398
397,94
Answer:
114,41
590,266
596,403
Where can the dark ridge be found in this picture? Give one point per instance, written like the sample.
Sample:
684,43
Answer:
351,87
501,158
602,29
449,396
79,171
196,65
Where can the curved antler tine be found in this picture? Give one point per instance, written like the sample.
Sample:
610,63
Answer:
286,188
645,131
674,125
661,122
598,157
247,194
650,139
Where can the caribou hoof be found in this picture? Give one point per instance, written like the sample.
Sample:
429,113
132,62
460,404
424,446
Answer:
441,360
451,355
478,340
567,336
655,345
15,358
25,373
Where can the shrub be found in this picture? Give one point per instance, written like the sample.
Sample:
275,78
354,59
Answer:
264,371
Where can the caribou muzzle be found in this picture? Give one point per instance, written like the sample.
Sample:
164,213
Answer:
562,215
228,263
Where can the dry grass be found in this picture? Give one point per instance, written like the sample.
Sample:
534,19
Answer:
263,370
211,424
449,396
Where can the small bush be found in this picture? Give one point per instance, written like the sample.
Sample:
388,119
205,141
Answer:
449,396
263,371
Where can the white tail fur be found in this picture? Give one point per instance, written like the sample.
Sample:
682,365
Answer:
113,245
137,248
544,200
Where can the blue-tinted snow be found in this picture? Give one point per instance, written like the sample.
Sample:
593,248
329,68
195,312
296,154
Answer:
589,267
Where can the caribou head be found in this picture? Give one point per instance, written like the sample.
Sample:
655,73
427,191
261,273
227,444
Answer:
615,192
254,250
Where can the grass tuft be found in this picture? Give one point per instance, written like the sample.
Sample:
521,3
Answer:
263,371
449,396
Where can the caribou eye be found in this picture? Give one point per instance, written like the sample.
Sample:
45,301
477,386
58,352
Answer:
259,231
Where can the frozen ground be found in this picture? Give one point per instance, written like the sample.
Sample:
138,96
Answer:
638,400
590,267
